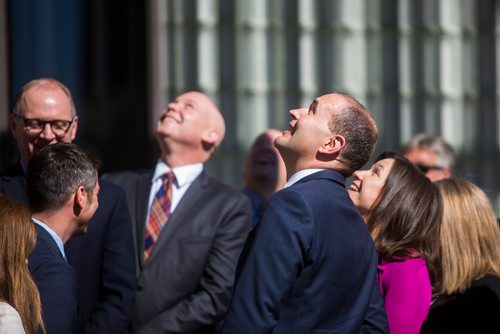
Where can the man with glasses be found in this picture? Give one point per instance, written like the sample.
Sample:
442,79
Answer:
44,114
432,154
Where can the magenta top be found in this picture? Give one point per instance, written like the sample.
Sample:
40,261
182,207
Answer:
407,293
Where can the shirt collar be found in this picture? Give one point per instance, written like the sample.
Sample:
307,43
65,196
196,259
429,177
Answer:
53,234
183,174
300,175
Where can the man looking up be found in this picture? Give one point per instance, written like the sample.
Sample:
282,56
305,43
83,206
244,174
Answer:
44,114
189,227
62,189
310,264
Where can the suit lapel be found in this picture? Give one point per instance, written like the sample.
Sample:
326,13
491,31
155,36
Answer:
181,213
142,197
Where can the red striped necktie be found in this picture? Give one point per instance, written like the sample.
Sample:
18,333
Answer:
160,212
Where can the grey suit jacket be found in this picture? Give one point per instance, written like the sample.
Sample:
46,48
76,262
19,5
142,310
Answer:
187,283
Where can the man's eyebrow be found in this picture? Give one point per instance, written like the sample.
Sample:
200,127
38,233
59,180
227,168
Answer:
192,101
314,105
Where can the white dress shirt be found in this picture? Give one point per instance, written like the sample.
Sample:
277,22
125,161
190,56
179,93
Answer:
184,177
301,174
54,236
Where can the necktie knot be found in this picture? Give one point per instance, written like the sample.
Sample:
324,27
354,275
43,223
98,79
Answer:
168,179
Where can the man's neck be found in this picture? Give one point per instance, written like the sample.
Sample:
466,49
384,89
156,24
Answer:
179,160
57,222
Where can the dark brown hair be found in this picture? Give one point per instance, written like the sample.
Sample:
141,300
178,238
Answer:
405,219
355,123
54,174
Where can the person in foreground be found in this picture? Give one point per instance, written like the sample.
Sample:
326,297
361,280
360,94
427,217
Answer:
20,307
264,172
402,209
469,299
62,189
310,264
43,114
190,228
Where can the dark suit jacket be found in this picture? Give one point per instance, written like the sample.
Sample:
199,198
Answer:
56,280
103,259
309,266
186,284
477,310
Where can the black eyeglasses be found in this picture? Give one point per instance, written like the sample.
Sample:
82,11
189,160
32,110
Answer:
35,126
425,169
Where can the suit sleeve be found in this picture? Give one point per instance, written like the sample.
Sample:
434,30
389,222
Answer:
209,304
375,320
58,288
272,259
118,278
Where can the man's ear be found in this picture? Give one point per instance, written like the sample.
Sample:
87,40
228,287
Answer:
209,138
73,129
80,200
333,145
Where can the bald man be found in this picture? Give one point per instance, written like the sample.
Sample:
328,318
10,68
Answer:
310,265
264,172
189,231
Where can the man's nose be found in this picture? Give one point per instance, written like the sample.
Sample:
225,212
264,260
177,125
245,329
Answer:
297,113
47,132
173,105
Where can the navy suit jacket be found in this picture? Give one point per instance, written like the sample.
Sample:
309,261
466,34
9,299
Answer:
103,258
186,284
309,266
56,280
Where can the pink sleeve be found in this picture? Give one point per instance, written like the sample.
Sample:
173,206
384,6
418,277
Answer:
407,294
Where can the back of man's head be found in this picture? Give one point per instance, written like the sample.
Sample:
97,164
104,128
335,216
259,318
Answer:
355,123
55,173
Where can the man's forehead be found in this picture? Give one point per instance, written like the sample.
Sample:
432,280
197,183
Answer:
330,101
422,155
40,99
196,97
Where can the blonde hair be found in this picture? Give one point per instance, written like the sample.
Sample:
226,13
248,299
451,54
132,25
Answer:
17,241
469,237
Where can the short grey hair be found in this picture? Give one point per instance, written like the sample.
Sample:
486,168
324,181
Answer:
444,151
54,174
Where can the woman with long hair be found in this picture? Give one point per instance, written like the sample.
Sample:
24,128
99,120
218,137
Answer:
469,299
20,307
402,210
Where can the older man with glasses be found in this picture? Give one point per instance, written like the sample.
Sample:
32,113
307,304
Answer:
38,104
44,114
